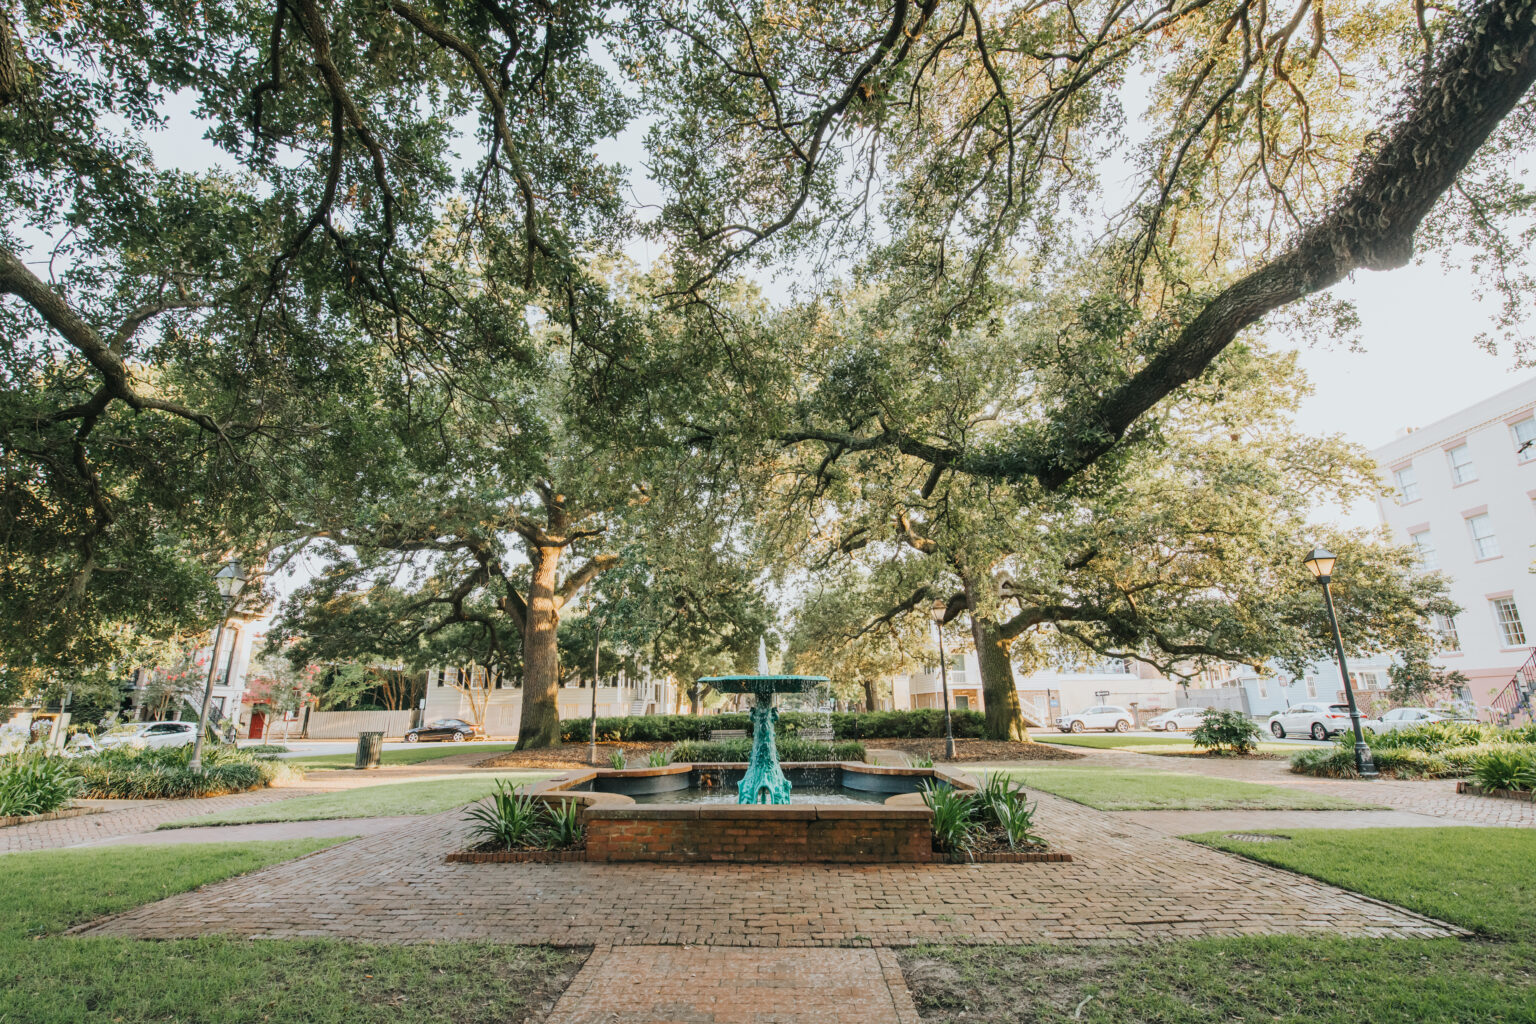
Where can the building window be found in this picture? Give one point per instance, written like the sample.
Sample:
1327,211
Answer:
1525,438
1408,484
1263,690
1446,627
1311,686
1484,543
1462,470
1508,618
1429,558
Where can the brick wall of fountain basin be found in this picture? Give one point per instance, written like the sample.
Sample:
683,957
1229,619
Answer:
620,830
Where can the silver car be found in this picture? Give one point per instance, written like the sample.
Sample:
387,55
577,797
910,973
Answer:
153,734
1178,719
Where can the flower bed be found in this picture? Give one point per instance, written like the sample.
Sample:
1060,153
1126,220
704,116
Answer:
127,773
1438,751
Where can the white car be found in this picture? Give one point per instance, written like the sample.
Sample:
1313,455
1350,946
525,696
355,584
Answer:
1178,718
1316,719
153,734
1109,717
1408,718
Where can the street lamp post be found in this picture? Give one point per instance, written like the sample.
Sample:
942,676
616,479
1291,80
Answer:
230,581
597,642
1320,561
940,607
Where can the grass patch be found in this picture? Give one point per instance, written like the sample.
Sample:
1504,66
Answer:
412,755
44,893
1138,743
50,979
383,800
1114,741
1112,789
1286,979
1478,878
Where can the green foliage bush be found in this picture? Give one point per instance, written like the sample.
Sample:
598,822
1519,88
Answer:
1511,767
1226,732
1435,737
512,820
127,773
962,821
924,723
1331,762
265,748
789,750
33,783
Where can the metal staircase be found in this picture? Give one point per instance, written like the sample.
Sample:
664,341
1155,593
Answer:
1515,700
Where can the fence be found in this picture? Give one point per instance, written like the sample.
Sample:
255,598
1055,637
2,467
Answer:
328,725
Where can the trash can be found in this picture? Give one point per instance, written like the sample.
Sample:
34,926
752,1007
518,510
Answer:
369,746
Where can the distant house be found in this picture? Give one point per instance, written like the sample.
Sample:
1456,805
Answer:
1043,695
1240,688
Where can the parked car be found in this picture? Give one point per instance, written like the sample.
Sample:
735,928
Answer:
1317,720
1408,718
1109,717
454,729
1178,718
152,734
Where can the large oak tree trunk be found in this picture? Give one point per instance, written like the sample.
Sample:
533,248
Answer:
540,724
869,694
1005,718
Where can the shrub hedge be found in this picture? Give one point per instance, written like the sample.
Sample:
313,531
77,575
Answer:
789,750
127,773
925,723
34,783
1440,750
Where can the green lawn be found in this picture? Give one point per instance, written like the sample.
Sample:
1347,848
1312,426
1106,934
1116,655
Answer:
426,796
1119,742
415,755
1114,789
1483,879
49,979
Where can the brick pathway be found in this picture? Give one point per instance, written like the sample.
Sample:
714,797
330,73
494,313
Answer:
1129,881
126,817
716,985
266,831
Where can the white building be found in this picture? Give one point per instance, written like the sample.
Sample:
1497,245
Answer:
1464,494
1042,695
502,700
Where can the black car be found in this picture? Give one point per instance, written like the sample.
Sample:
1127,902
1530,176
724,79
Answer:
455,729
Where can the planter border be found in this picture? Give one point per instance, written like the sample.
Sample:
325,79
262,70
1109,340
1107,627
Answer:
580,856
1473,789
68,812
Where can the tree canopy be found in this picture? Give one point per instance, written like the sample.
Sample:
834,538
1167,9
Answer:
394,315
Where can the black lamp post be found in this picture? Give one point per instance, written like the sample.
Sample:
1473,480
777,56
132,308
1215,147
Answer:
940,607
597,643
1320,561
230,581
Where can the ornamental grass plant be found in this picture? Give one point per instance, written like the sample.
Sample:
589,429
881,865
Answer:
1439,750
35,783
165,773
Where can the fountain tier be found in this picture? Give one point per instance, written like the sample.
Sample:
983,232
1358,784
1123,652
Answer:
764,782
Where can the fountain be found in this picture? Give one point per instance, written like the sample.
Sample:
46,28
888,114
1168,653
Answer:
764,782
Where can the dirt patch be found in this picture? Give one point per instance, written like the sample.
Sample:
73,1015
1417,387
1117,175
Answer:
979,983
979,750
572,755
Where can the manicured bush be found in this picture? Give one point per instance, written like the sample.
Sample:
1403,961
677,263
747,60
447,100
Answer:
924,723
129,773
33,783
1226,732
265,748
1332,762
693,751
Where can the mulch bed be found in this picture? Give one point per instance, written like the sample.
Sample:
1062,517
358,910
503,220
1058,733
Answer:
979,750
571,755
1260,755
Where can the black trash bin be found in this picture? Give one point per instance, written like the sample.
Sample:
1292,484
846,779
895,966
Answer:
369,746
